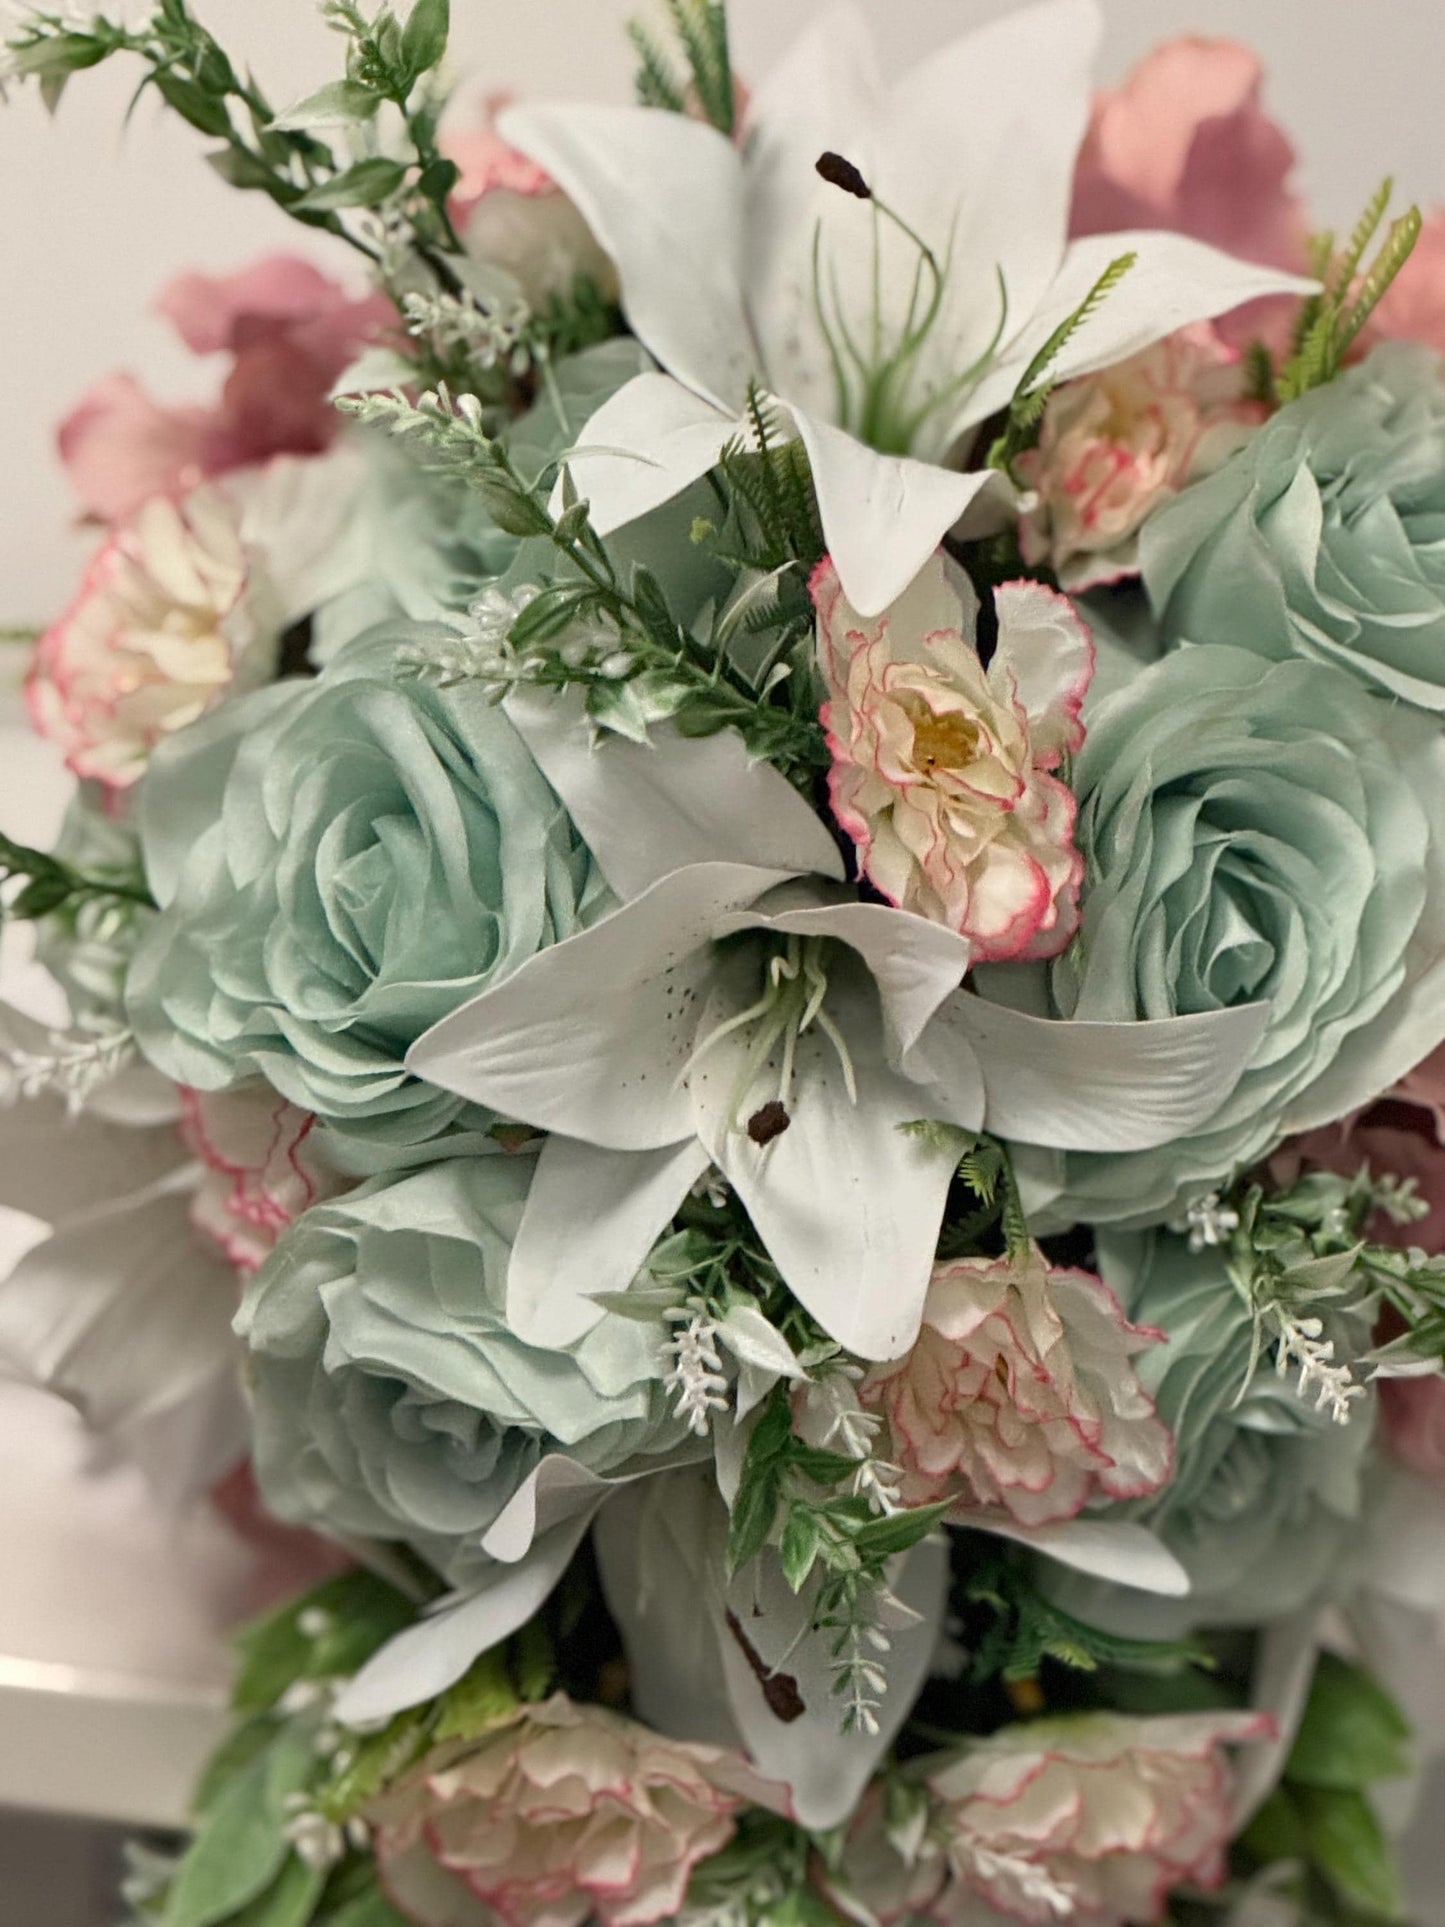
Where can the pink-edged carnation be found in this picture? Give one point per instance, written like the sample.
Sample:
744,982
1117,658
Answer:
1115,446
290,333
943,770
144,649
1414,307
1021,1394
1097,1817
1184,144
561,1814
262,1168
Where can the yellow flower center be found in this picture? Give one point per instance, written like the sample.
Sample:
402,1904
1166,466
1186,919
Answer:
944,742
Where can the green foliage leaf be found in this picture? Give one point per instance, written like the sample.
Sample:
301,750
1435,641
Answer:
424,39
194,103
369,1910
369,183
241,1847
1352,1732
482,1699
340,103
884,1538
802,1541
1346,1842
290,1902
361,1612
238,167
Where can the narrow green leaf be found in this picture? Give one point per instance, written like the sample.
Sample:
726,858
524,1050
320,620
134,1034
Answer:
241,1848
238,167
802,1537
424,41
368,183
754,1511
1348,1845
289,1902
369,1910
340,103
1352,1732
899,1531
194,103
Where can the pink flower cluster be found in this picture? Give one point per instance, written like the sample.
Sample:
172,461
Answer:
1098,1818
560,1815
1020,1394
1115,446
943,770
289,332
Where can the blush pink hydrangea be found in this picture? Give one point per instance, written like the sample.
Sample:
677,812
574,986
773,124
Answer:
1184,144
262,1168
1098,1817
944,771
147,644
1021,1395
561,1814
289,332
1115,446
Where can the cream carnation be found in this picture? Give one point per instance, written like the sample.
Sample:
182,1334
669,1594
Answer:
1097,1818
942,769
144,649
562,1815
1021,1393
1115,445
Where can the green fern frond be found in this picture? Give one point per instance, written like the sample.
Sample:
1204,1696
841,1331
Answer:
1399,246
702,28
1071,324
1348,265
1259,376
656,85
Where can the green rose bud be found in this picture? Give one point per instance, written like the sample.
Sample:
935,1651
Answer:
1325,536
391,1399
1266,1490
1255,832
340,863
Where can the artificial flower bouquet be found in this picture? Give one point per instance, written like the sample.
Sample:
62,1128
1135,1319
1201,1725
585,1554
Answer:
764,841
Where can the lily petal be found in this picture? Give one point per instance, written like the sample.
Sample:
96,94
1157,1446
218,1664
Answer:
559,1490
588,1037
883,515
624,1200
644,446
647,809
826,1770
663,194
1112,1549
429,1657
847,1202
1090,1086
1174,281
915,963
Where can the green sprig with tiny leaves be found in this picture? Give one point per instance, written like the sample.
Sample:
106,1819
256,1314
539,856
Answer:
283,155
49,885
656,670
700,28
1036,385
1329,323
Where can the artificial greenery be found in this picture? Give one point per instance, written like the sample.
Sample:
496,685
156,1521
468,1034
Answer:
1321,1817
641,665
700,29
51,886
1035,386
1330,323
1022,1629
299,159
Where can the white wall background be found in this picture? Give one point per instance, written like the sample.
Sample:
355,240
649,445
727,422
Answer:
93,218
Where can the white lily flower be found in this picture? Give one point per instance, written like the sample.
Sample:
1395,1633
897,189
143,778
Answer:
888,326
763,1020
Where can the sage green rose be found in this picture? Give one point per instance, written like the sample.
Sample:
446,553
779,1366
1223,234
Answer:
339,864
1267,1490
391,1400
1324,537
1254,832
